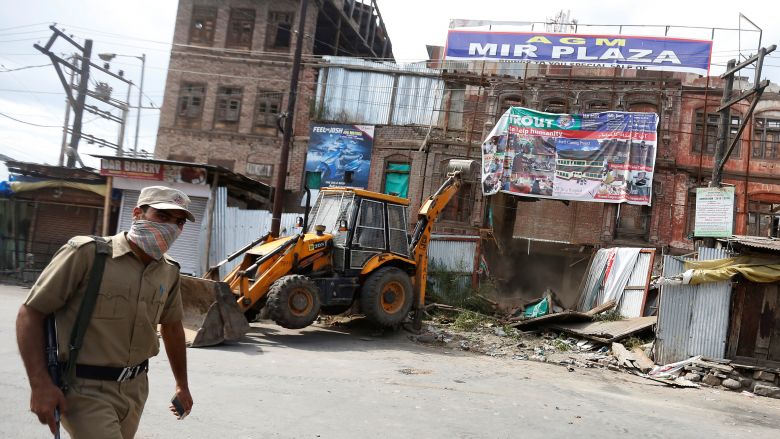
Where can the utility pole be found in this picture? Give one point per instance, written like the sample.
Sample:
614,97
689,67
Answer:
66,124
724,125
125,112
281,172
78,110
140,96
78,103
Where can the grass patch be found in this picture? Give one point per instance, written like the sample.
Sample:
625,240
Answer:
470,320
612,315
634,342
561,345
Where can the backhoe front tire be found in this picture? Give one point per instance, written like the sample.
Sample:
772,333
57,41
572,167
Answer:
387,296
293,302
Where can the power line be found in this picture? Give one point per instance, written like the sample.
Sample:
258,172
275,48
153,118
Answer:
23,26
29,123
21,68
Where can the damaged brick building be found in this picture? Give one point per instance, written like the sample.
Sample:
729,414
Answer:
229,77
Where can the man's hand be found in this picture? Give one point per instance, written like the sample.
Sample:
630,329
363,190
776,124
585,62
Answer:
44,399
184,397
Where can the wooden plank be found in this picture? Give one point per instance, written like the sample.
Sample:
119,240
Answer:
766,321
749,323
774,341
737,299
606,306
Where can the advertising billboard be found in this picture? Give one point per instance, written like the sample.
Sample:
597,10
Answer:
631,52
603,157
339,155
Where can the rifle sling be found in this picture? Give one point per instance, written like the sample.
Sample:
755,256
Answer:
102,250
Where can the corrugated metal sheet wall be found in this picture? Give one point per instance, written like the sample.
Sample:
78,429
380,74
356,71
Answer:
235,228
367,97
453,256
634,293
692,319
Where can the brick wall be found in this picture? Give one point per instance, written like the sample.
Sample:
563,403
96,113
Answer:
253,71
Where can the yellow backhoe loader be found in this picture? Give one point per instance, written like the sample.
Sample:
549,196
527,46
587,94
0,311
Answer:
357,252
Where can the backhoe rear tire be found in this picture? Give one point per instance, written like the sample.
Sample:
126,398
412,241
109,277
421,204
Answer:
387,296
293,301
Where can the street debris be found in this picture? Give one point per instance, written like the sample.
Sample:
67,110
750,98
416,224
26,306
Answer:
601,340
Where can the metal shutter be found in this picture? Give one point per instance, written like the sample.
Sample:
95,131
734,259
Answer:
51,232
187,249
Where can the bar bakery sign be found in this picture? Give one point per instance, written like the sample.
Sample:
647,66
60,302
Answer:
146,170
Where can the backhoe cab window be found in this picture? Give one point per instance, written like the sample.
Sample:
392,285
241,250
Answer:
330,210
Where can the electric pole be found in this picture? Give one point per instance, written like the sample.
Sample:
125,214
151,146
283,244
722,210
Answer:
140,96
722,154
66,124
102,93
78,109
281,172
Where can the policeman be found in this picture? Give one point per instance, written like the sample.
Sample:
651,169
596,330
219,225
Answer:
139,290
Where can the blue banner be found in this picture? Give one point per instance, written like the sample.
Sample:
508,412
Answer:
339,155
645,53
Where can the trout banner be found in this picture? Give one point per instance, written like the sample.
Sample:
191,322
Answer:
604,157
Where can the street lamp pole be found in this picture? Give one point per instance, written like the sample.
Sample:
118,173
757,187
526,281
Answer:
140,101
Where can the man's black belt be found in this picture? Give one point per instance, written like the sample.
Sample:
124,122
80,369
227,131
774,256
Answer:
106,373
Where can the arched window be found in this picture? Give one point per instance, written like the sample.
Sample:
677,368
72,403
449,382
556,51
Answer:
396,179
766,138
554,106
705,133
509,101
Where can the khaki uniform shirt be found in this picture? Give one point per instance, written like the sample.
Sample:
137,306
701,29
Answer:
132,300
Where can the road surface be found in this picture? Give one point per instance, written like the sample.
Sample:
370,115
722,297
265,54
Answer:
344,383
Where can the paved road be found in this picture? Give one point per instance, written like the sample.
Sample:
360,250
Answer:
339,383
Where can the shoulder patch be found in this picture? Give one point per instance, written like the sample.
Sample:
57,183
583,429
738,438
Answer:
170,260
78,241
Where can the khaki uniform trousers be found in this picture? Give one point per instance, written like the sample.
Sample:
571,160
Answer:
102,409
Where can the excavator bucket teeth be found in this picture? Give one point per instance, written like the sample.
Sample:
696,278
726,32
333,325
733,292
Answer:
211,314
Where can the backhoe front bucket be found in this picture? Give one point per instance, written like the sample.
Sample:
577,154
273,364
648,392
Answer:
211,314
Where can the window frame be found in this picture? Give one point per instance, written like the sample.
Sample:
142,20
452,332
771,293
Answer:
700,128
241,38
763,127
209,15
220,114
388,171
267,98
273,27
186,95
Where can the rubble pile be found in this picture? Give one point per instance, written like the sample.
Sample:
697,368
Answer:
486,336
477,333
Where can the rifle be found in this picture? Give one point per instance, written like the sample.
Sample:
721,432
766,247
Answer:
53,363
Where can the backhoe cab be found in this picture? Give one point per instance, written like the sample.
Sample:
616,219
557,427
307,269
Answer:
354,252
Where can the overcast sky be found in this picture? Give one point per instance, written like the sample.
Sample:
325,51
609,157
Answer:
35,95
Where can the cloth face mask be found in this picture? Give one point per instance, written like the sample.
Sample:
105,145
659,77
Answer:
153,238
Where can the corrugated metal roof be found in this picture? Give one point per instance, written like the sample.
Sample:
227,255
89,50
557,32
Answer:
692,319
755,242
234,228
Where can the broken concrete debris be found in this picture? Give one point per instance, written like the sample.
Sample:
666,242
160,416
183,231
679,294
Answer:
574,340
